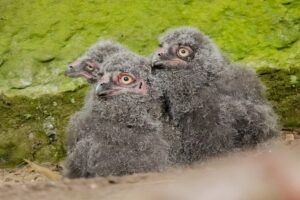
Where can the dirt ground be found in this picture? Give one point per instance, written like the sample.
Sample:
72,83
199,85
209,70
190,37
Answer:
267,173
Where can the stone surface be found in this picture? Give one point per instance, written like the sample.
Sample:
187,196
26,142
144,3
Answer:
39,38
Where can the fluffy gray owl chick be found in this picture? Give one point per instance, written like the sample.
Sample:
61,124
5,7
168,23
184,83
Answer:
124,134
212,102
77,127
89,64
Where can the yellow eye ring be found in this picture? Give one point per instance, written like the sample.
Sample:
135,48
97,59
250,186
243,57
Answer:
126,79
89,67
183,52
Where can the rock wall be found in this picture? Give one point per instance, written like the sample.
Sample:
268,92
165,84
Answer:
39,38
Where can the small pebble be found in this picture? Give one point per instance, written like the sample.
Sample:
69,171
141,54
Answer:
8,179
289,137
93,186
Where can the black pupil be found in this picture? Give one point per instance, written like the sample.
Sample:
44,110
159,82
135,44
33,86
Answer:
182,51
126,78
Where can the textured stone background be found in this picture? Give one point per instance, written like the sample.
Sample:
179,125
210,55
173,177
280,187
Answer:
39,38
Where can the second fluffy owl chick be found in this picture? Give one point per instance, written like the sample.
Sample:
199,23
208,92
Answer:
217,107
122,124
89,64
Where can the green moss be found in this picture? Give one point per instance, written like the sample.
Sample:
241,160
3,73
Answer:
283,90
39,38
34,128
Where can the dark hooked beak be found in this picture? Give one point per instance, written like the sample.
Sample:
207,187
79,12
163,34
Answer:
157,64
71,72
102,89
157,60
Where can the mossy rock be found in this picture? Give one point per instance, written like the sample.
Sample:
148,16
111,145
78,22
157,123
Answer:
283,90
39,38
34,128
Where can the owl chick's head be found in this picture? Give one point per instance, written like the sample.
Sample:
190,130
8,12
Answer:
124,73
89,65
182,47
86,68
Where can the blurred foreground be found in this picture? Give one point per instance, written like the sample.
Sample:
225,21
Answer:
270,172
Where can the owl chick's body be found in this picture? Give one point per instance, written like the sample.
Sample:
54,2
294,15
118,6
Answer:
77,127
251,114
217,107
121,124
89,66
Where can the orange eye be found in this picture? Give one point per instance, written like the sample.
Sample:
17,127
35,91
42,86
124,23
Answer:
126,79
183,52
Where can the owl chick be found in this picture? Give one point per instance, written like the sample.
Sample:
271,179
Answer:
216,106
89,64
123,131
89,67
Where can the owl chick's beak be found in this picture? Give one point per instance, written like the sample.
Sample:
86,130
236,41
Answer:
70,71
157,60
74,73
99,90
103,89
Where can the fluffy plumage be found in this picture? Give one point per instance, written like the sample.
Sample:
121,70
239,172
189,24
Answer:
77,127
217,106
123,133
89,64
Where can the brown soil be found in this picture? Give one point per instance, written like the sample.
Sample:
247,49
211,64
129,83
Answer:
181,183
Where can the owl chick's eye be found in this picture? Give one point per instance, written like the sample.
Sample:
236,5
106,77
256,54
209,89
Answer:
126,79
89,67
183,52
